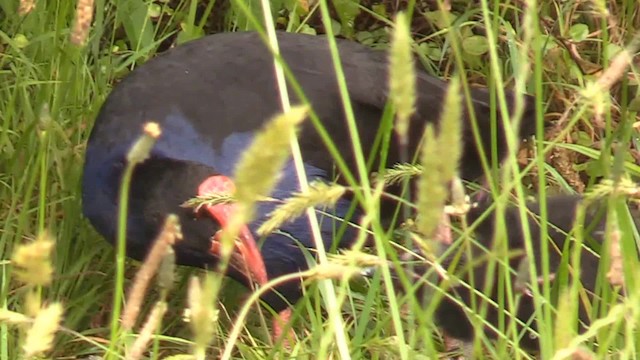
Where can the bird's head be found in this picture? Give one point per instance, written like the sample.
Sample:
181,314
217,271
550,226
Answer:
159,187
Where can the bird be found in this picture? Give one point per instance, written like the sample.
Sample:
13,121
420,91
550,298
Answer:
210,96
561,216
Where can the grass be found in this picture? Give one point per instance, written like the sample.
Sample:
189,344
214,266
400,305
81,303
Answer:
51,89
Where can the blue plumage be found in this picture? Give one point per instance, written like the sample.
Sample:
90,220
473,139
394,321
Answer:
181,142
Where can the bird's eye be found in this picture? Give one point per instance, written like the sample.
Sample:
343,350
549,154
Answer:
192,213
199,214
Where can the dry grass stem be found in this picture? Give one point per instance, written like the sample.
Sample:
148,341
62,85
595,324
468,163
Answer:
615,275
168,236
150,326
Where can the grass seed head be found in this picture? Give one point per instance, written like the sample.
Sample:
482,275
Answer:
318,194
402,77
201,314
84,16
401,172
615,275
437,172
259,167
432,192
26,6
141,149
32,261
161,249
167,271
148,329
40,336
450,134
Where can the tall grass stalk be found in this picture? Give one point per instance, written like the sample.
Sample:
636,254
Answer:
329,290
542,317
138,153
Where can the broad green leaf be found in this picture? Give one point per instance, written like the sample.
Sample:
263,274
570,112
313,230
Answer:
134,16
579,32
347,11
475,45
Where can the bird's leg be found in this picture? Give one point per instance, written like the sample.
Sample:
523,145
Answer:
247,259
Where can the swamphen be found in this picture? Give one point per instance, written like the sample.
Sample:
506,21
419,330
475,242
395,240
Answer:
561,218
209,96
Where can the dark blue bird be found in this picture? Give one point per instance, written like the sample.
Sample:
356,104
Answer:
209,96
